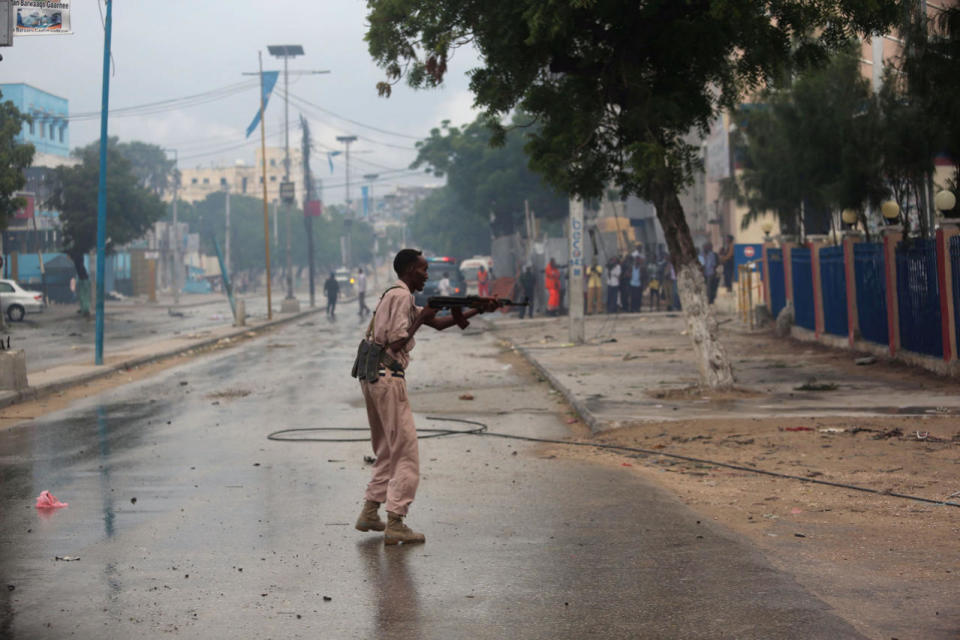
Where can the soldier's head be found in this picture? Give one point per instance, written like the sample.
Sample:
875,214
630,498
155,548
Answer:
411,267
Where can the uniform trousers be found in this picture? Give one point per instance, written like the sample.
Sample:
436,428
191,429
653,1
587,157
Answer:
396,473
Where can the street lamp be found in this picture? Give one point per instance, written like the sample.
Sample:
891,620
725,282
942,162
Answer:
890,210
767,227
945,201
849,216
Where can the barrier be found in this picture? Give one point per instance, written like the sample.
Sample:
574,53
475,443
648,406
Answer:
802,272
871,292
918,296
955,270
778,291
833,284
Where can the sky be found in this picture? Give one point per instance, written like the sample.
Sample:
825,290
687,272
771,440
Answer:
177,48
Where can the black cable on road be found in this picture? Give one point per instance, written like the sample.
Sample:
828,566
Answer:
480,429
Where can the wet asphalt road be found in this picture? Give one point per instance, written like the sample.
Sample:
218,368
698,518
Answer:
189,523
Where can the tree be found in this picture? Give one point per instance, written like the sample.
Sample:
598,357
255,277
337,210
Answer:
489,183
131,208
441,225
149,163
14,158
813,142
616,86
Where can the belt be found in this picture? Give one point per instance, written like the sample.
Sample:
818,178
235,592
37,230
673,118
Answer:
393,373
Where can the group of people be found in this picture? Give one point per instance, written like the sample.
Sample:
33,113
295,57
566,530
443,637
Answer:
331,289
627,279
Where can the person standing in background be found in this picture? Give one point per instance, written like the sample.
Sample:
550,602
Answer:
594,287
727,262
613,284
551,281
332,291
483,282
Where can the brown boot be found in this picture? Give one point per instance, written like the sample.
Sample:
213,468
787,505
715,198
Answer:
369,518
398,532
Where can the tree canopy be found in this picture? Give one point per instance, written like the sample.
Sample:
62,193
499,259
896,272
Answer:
440,224
14,158
131,208
488,183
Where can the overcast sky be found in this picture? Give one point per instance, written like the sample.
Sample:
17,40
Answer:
177,48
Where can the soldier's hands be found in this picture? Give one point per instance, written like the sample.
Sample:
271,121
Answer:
427,314
490,304
459,318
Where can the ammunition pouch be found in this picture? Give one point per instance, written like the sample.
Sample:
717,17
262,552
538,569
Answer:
370,358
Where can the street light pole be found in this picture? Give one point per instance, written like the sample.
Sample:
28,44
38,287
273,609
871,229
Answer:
102,189
370,178
345,248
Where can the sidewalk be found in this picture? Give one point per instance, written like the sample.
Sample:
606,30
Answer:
802,412
145,350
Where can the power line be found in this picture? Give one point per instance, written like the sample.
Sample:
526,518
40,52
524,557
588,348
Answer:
355,122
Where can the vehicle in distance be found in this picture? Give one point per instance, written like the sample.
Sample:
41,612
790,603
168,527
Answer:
436,267
345,279
16,302
471,266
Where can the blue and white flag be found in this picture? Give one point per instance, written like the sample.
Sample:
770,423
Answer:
269,80
330,155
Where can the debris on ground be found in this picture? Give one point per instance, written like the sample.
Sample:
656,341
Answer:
66,558
369,460
796,428
47,500
865,361
813,385
466,396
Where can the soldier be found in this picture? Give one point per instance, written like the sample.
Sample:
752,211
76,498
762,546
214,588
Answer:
396,472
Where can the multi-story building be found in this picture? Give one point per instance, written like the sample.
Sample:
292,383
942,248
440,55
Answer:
199,182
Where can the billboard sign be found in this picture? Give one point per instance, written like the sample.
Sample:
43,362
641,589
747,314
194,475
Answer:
27,210
41,17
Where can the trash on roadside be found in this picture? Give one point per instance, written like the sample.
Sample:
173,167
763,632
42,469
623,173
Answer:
571,421
66,558
47,500
796,428
832,430
608,340
369,459
864,361
466,396
629,356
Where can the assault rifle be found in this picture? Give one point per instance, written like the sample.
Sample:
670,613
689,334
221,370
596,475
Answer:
457,303
470,302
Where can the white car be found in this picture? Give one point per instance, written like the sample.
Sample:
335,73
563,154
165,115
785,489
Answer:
17,301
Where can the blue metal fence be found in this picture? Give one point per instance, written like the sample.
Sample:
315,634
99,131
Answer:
918,293
833,285
955,265
871,283
802,288
778,292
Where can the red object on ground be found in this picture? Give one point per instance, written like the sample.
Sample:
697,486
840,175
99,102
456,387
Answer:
798,428
47,500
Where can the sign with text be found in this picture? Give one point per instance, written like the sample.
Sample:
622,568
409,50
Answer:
27,210
41,17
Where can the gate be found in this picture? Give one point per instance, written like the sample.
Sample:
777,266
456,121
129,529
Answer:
833,285
871,292
803,288
778,289
918,293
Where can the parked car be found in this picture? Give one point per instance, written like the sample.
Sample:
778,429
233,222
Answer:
17,301
436,267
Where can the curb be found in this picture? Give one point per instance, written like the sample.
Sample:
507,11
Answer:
8,398
582,411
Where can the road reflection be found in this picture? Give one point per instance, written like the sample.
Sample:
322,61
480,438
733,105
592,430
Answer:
394,589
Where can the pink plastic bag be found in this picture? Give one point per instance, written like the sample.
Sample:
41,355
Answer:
47,500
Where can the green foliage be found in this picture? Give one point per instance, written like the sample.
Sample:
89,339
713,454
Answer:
14,158
816,143
131,208
149,163
247,235
614,85
440,225
487,183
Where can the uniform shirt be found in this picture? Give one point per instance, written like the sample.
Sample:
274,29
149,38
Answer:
444,287
613,276
594,276
394,316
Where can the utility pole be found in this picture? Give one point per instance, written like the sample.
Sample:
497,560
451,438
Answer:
177,266
345,239
102,189
307,198
370,178
226,237
575,270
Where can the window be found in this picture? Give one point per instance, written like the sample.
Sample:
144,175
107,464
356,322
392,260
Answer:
206,181
223,182
52,131
6,287
273,178
193,181
273,162
244,185
63,128
31,128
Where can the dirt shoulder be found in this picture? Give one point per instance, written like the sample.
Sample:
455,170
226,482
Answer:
888,565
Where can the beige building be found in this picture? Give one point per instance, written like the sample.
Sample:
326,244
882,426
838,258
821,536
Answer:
199,182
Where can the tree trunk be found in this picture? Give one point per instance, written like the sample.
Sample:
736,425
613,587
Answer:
712,360
83,284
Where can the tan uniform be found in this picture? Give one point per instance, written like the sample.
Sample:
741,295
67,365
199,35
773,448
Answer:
396,473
